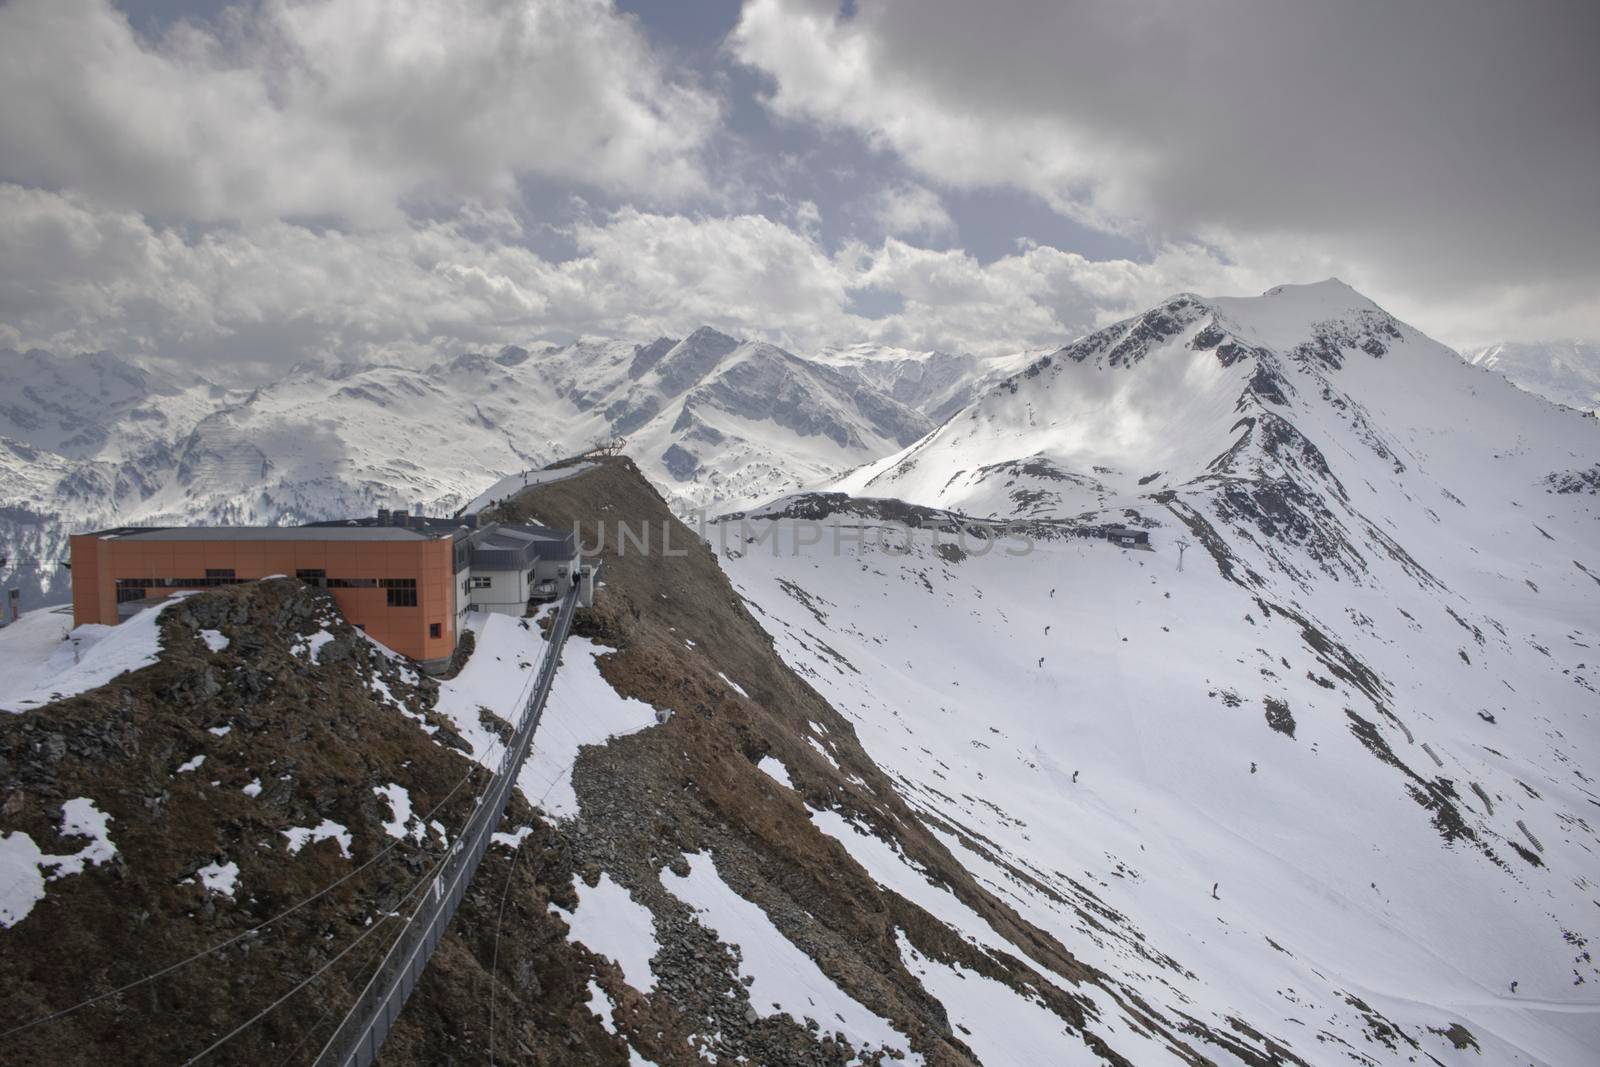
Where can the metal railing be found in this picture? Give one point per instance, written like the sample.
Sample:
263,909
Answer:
357,1040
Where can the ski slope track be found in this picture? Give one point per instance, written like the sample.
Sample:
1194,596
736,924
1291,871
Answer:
1324,795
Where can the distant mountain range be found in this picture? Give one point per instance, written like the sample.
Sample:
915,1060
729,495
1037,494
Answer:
93,441
717,423
1567,372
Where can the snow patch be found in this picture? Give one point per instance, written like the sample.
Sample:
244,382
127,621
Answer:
513,484
583,709
25,868
219,877
400,809
512,840
310,647
301,836
823,752
610,923
215,640
893,870
602,1007
774,769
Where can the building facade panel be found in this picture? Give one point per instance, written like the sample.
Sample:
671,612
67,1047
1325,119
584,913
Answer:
400,592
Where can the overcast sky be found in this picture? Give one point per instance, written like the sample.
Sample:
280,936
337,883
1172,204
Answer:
237,187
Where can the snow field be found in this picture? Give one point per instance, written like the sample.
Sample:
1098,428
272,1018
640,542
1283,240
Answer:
38,667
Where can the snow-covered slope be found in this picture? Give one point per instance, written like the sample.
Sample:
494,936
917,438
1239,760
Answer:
938,384
92,441
95,406
715,421
1330,787
1567,372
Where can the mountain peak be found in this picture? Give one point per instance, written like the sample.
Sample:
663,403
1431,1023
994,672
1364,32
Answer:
1332,294
710,335
1330,284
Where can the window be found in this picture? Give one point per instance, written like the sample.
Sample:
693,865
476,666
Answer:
352,583
480,582
126,594
436,629
402,592
312,577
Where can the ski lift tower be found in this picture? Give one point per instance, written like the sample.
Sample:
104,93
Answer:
1182,543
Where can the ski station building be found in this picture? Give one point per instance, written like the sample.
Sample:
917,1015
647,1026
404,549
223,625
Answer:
407,580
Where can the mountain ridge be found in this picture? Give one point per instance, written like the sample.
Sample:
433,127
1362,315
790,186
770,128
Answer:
1333,762
715,420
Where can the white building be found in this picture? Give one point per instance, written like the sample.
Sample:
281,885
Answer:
510,566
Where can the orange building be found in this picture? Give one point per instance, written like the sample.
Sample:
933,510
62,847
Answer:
398,583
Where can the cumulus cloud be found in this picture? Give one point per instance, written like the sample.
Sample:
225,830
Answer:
906,209
1439,153
79,276
1039,297
358,179
349,109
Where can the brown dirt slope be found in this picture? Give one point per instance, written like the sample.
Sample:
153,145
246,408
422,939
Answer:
318,742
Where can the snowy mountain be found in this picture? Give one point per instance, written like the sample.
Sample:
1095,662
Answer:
94,406
713,420
1567,372
93,441
1328,788
908,786
938,384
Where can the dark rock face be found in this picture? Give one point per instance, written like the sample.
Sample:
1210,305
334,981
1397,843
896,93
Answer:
1576,481
647,356
808,399
692,359
1367,331
681,463
1267,384
627,415
1279,717
1152,329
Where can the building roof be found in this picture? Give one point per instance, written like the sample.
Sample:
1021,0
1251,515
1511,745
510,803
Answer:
512,547
269,533
432,525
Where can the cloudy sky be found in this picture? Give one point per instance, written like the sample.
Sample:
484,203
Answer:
236,187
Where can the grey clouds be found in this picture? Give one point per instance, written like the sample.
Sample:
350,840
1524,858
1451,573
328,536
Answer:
245,186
